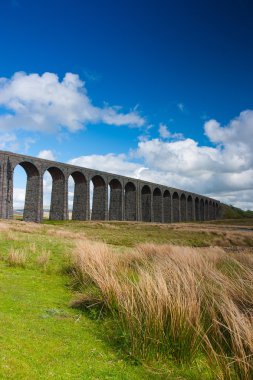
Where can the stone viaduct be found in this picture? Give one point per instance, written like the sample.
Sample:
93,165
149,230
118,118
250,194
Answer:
115,197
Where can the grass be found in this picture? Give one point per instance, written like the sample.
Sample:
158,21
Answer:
174,302
123,234
43,337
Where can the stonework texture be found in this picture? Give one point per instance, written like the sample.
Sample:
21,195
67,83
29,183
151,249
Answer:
115,197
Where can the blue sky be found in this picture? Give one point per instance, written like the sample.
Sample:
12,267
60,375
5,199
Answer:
175,77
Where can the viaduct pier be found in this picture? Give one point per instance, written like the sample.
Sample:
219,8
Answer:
114,197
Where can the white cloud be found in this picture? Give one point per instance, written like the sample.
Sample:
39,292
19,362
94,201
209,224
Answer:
8,141
118,164
181,107
47,155
18,198
224,171
43,103
163,131
166,134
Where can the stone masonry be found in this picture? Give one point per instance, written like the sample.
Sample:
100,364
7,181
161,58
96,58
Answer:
115,197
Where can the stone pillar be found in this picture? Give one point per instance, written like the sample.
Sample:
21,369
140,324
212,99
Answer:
6,189
157,206
131,203
33,209
115,211
152,216
123,203
167,207
175,208
193,210
59,196
146,204
139,202
79,211
100,199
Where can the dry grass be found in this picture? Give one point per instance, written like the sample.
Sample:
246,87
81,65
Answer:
65,234
43,258
177,302
16,257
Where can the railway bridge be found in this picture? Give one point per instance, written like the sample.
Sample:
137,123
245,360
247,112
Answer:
114,197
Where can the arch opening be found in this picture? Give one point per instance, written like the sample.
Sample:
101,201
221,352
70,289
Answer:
183,206
175,207
115,200
146,203
27,202
167,207
157,205
130,202
99,198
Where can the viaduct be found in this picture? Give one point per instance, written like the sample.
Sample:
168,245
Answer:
115,197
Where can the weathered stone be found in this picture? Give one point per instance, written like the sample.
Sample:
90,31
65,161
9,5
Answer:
130,199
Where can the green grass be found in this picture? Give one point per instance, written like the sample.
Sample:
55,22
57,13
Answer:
41,336
124,234
231,212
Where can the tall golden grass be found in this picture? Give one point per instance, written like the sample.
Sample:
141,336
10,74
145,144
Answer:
16,257
175,302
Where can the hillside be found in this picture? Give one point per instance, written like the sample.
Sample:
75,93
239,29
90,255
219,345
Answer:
44,337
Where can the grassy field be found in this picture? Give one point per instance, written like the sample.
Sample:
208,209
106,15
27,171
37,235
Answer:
42,336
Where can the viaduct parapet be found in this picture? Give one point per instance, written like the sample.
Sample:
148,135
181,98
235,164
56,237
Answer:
115,197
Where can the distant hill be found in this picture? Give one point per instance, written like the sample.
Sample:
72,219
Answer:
231,212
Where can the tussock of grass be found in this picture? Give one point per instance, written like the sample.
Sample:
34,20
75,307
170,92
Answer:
16,258
43,258
174,302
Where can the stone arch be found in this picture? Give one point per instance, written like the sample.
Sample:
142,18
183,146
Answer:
197,209
206,210
115,204
157,205
58,207
202,209
146,203
79,210
130,201
183,207
175,207
189,208
99,201
167,206
32,206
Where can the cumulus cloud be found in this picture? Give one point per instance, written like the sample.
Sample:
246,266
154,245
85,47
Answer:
223,171
47,155
8,141
118,164
43,103
166,134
